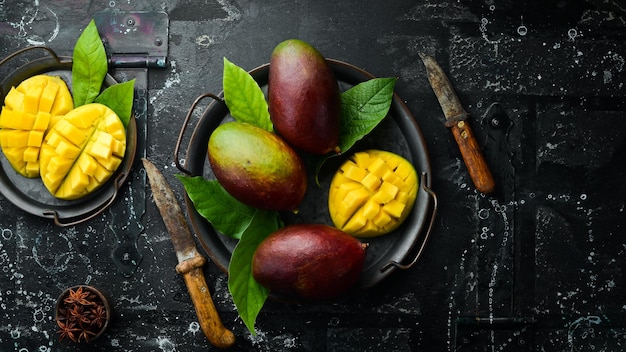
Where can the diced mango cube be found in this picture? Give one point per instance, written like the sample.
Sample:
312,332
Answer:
16,120
32,168
354,198
370,209
353,172
47,97
42,121
377,167
371,182
394,208
31,99
31,154
361,159
14,99
87,164
99,150
35,138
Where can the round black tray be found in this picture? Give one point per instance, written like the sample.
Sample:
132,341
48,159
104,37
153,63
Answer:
29,194
398,133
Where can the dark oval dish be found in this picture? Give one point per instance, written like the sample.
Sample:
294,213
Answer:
31,195
398,133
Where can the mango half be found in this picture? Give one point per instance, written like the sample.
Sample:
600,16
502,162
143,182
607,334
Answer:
82,151
29,111
372,193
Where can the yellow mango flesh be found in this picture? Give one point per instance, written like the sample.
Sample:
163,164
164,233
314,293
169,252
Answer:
82,151
372,193
29,111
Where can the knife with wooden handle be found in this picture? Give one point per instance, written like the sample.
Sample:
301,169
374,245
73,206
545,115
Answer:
456,120
190,261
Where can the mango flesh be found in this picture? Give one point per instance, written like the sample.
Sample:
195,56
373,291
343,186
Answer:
309,261
257,167
29,111
372,193
303,97
82,151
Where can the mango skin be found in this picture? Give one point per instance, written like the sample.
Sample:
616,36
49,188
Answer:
257,167
309,262
304,98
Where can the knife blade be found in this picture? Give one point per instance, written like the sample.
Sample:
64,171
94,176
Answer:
190,261
456,120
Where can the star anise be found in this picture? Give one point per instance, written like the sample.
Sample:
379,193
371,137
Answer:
78,297
67,330
98,316
85,335
79,315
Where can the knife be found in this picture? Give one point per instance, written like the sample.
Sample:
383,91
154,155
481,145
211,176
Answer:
190,261
456,120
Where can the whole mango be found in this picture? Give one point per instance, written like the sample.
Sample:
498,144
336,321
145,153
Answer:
309,261
303,97
257,167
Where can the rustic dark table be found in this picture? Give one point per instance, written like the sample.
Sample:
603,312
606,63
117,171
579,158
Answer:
536,266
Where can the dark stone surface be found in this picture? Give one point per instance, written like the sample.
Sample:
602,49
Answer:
536,266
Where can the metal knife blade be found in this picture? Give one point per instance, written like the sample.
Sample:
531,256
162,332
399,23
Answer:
172,214
190,262
456,120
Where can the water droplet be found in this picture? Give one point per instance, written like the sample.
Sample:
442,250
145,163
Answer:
572,33
522,30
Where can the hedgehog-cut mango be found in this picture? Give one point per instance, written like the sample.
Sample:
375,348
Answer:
82,151
372,193
29,111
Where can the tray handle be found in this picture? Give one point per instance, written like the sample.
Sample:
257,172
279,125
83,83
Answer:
419,253
179,166
59,221
22,51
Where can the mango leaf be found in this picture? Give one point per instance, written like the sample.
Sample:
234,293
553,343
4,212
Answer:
362,108
244,97
227,215
119,97
237,220
248,295
89,66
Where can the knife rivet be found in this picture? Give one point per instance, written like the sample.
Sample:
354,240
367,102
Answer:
461,124
464,134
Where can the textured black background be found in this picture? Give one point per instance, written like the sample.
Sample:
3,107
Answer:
537,266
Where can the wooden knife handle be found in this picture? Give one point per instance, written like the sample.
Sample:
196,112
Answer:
473,157
208,317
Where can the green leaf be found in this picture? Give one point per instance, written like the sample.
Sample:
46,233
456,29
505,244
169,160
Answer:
237,220
244,97
227,215
248,295
362,108
89,66
119,97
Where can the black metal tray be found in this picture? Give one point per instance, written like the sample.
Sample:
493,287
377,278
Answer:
398,133
31,195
